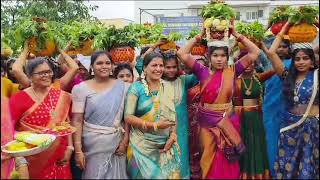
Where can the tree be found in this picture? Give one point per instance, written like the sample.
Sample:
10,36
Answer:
53,10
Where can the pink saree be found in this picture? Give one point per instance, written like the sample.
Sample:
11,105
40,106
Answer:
217,132
6,136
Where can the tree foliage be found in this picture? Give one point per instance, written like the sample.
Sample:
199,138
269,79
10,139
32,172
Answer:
53,10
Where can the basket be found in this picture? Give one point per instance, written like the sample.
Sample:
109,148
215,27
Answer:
122,54
169,45
302,33
29,152
84,49
49,50
199,50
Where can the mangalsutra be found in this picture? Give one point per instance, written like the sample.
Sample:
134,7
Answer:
296,91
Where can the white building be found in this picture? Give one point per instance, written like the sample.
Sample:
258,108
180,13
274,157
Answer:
247,11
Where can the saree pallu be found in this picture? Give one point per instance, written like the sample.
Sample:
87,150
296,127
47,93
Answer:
298,154
102,133
37,119
7,132
219,127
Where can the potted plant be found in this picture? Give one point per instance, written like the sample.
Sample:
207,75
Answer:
278,17
81,35
254,31
200,48
217,16
119,42
170,38
303,19
148,33
40,33
6,51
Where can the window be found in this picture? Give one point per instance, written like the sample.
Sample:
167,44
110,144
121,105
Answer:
260,13
237,15
248,15
253,15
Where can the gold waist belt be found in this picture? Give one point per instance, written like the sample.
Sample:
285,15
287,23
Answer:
250,102
218,107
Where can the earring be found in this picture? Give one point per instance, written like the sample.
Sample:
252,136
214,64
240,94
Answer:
92,73
312,66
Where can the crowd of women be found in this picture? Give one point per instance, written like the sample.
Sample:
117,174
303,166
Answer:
255,118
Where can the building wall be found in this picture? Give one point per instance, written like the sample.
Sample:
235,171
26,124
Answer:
117,22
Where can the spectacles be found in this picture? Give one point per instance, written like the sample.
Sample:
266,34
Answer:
44,73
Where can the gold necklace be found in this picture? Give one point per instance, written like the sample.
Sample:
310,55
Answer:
248,90
296,91
51,110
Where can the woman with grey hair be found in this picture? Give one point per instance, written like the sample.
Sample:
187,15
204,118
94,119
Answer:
39,108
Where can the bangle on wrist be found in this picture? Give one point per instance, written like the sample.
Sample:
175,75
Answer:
70,148
280,35
77,142
144,125
78,152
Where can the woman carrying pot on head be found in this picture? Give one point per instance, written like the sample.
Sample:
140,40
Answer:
37,108
59,82
219,137
298,144
102,137
150,110
181,85
248,96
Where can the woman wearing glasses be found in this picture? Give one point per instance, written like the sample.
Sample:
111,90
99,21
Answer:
39,107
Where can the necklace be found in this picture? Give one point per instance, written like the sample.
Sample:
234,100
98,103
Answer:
51,110
248,89
296,90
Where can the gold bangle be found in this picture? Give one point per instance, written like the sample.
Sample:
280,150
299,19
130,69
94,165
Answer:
155,126
280,35
144,126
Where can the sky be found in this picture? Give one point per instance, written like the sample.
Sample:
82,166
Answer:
114,9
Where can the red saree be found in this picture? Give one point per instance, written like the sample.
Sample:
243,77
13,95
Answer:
31,116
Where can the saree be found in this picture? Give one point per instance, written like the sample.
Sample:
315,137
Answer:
7,132
144,159
31,116
193,99
219,126
298,154
272,116
102,130
254,162
181,85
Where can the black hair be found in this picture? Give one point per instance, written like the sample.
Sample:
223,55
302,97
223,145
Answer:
54,65
290,79
150,56
93,59
34,63
288,44
144,49
7,66
211,49
121,67
170,55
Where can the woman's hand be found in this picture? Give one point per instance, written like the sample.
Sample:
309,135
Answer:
164,124
80,160
122,148
5,156
231,27
169,143
285,28
66,158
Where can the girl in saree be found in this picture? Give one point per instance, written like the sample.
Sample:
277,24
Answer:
153,152
247,101
39,108
101,141
181,85
298,143
219,138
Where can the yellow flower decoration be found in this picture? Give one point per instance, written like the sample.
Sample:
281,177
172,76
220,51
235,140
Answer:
291,141
288,167
281,152
306,137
